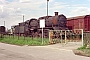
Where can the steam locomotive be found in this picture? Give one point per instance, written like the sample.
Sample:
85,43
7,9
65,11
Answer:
32,27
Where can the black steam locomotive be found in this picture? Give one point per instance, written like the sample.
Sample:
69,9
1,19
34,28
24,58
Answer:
32,27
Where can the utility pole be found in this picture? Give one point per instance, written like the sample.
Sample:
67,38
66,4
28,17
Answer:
47,8
24,27
23,18
4,23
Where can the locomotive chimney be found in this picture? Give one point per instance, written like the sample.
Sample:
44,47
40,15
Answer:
56,13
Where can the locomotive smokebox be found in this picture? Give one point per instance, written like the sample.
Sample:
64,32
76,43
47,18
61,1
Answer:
56,13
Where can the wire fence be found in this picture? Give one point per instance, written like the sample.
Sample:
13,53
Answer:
87,39
64,36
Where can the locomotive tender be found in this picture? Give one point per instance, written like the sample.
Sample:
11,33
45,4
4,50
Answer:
2,29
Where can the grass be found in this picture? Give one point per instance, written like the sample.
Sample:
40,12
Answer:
21,41
84,49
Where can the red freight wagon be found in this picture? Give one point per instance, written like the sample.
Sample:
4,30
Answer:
70,24
79,22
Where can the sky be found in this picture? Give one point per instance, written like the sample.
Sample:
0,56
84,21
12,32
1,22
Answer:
12,11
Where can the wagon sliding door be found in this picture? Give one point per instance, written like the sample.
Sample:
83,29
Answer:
87,24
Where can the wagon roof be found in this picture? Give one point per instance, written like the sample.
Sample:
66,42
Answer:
77,17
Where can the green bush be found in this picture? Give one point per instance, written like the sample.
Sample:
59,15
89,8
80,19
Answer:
81,48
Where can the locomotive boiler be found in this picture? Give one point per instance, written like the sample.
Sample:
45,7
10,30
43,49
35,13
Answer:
57,22
33,27
33,24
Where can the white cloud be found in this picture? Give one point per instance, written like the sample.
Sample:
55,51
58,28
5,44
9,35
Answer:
1,7
24,1
78,10
2,1
34,1
58,5
81,10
